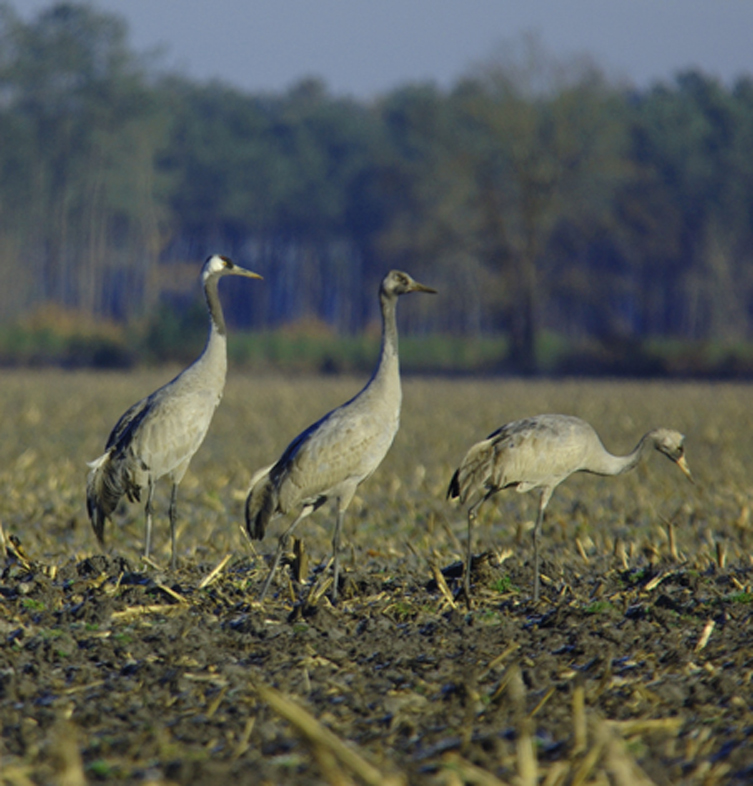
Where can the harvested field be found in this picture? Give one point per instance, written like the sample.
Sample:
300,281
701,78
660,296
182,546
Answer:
636,668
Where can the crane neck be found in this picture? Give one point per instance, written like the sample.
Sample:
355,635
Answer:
617,465
214,355
388,305
214,305
388,368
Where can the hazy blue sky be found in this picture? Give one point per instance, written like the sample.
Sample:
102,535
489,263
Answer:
366,47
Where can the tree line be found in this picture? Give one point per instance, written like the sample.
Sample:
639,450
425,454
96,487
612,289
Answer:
538,195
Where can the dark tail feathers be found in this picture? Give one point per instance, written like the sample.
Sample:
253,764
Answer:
453,490
260,506
105,485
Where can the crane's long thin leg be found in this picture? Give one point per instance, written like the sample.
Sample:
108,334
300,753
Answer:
543,502
469,555
148,511
173,514
336,551
281,545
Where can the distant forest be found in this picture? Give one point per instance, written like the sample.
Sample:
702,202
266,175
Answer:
537,195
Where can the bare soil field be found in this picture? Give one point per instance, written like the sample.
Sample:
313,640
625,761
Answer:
635,668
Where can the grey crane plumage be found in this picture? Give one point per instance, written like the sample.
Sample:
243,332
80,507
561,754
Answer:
160,434
541,452
331,458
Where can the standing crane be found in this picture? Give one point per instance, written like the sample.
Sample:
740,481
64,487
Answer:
160,434
541,452
331,458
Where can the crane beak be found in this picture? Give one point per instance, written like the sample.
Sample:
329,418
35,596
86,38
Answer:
683,465
241,271
417,287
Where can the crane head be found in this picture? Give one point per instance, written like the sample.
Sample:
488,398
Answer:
218,265
398,283
671,444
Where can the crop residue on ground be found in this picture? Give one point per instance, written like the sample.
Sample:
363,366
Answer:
636,668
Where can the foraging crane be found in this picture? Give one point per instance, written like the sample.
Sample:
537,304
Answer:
160,434
331,458
541,452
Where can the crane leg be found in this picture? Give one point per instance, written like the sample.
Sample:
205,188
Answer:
543,502
469,556
281,545
173,514
336,552
536,582
148,511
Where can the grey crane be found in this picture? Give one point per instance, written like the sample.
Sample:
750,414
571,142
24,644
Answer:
160,434
331,458
541,452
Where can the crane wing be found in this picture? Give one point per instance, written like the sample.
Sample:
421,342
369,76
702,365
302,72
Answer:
129,421
540,451
341,449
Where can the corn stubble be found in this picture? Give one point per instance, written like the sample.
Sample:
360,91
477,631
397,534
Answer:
635,669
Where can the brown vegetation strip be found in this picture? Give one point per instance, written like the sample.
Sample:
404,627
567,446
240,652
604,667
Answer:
323,742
